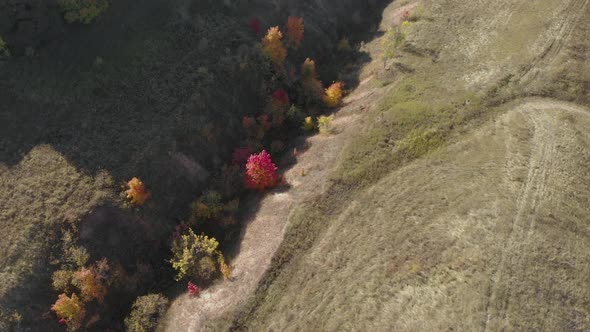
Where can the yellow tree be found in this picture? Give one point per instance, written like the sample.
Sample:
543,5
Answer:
272,44
333,95
70,310
137,192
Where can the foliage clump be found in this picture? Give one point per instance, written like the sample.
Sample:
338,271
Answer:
333,95
208,206
261,172
193,290
254,25
70,310
312,86
146,312
325,124
295,31
62,280
344,45
308,124
82,11
90,284
272,44
196,256
280,100
137,192
394,39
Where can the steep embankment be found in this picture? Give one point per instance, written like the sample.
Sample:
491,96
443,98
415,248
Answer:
460,203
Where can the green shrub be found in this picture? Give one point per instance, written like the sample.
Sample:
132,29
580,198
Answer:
145,313
295,115
308,124
325,124
62,280
82,11
394,39
77,256
195,257
208,206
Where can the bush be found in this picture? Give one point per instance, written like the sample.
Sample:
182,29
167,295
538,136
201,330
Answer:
272,45
137,192
82,11
344,45
70,309
333,95
308,69
208,206
62,280
77,255
312,89
295,29
394,39
325,124
225,270
146,312
308,124
90,285
195,256
261,172
280,100
295,115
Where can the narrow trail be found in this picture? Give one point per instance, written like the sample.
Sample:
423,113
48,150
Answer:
573,14
540,116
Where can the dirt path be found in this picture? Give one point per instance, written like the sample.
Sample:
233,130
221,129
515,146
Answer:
573,14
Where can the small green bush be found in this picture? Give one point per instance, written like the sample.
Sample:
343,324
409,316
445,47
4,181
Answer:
308,124
62,280
208,206
394,39
146,312
82,11
195,257
325,124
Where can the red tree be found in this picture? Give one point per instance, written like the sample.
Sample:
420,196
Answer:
261,172
193,290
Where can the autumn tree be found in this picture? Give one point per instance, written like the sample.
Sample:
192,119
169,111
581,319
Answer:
195,257
70,310
295,29
261,172
137,193
272,44
333,95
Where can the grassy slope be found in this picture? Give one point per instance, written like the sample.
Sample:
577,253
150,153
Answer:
420,247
